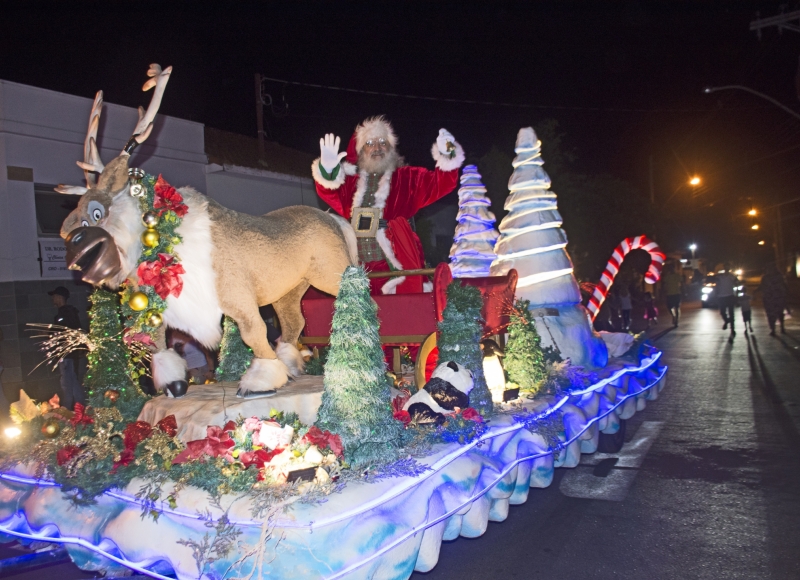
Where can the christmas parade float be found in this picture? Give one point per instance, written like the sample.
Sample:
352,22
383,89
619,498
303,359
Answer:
348,473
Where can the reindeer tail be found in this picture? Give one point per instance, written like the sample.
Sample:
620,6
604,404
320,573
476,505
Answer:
349,237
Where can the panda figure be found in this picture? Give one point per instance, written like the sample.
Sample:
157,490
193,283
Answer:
448,388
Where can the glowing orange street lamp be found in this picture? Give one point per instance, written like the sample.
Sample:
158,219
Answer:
754,227
694,181
761,242
752,212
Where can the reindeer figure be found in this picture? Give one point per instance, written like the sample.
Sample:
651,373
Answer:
233,262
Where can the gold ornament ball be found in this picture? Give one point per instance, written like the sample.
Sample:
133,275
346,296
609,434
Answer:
154,319
150,238
138,301
150,219
51,429
112,395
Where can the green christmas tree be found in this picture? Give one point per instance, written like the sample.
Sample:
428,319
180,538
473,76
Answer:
111,366
460,340
356,400
524,359
234,355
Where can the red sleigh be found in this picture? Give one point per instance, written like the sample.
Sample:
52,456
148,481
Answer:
411,319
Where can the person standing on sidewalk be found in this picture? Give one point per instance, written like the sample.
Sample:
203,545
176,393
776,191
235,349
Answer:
773,292
69,366
672,286
724,287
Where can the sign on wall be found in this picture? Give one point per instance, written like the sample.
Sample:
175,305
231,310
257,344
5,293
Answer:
53,258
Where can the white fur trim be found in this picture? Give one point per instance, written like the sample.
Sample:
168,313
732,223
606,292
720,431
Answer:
196,311
376,127
391,286
327,183
386,246
264,374
124,223
167,366
444,162
349,168
427,286
381,194
291,357
349,237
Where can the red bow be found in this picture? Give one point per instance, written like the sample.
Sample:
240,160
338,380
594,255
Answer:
167,198
471,414
79,416
168,425
216,444
163,275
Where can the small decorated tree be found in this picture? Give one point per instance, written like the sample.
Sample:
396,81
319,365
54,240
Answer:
460,340
356,400
473,244
111,369
234,355
524,359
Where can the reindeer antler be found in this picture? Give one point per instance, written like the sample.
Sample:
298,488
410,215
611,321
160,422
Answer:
91,163
158,79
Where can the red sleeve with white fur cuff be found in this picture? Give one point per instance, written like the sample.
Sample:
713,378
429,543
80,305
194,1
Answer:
334,183
444,161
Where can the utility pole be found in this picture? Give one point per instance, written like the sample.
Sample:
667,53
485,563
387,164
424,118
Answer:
260,118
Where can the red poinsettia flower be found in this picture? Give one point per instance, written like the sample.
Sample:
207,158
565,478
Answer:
142,337
168,425
66,453
167,198
79,416
403,416
125,458
163,275
471,414
323,439
399,401
258,457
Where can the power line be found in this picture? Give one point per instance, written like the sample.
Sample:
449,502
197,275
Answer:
491,103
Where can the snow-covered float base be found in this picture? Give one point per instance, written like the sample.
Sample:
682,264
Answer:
381,530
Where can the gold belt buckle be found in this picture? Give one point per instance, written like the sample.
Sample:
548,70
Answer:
365,221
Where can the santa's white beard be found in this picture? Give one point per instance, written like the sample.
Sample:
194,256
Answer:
387,162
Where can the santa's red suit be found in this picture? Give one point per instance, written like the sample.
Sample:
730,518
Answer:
401,192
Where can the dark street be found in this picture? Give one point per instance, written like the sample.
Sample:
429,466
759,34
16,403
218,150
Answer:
716,496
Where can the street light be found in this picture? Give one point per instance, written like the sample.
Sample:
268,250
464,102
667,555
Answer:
752,212
694,181
693,247
754,227
761,242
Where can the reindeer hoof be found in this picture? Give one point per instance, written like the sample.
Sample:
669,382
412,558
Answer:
245,394
177,389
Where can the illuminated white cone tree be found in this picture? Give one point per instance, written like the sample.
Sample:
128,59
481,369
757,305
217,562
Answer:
473,244
532,242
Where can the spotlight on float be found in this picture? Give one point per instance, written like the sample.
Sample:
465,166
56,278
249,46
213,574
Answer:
12,432
493,369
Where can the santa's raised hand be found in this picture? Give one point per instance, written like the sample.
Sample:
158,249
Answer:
329,156
446,143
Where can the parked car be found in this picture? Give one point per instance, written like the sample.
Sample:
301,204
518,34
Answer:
708,297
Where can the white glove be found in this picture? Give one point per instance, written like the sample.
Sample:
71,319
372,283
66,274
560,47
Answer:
445,142
329,156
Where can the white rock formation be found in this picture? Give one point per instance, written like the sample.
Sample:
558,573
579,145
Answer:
472,251
532,242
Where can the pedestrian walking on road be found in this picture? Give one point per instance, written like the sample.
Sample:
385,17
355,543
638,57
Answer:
613,309
650,310
724,288
773,293
625,306
672,287
70,366
744,304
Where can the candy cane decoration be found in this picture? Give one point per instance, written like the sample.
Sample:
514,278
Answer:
612,268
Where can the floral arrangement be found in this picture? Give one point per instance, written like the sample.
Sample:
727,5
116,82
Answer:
159,274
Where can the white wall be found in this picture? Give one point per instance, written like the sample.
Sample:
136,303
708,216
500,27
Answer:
44,131
257,192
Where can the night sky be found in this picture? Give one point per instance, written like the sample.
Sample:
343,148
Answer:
623,80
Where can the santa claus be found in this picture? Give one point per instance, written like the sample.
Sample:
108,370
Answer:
369,185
